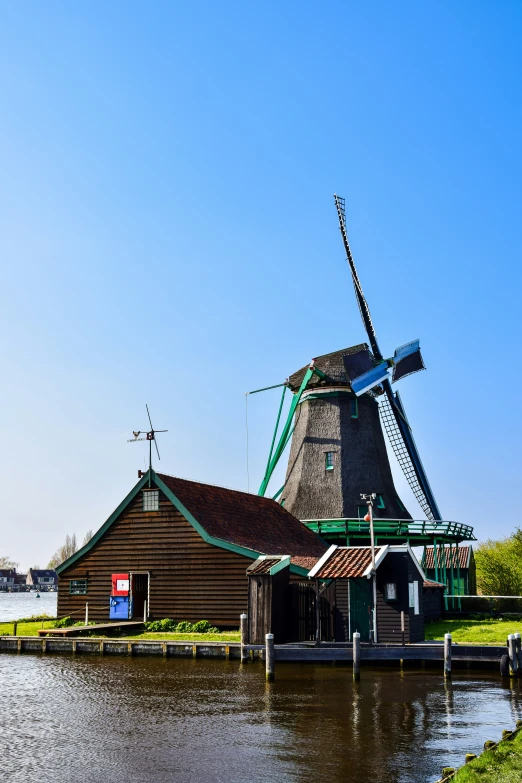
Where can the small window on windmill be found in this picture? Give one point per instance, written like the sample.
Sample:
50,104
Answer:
354,408
380,502
151,500
329,460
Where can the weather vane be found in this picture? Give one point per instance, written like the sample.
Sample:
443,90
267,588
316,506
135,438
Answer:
150,436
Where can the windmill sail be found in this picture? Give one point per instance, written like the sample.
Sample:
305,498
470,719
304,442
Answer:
407,359
403,445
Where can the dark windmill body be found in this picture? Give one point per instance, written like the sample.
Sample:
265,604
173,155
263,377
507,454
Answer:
338,449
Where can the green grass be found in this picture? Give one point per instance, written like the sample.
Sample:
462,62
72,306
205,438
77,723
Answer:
503,764
473,631
31,629
25,628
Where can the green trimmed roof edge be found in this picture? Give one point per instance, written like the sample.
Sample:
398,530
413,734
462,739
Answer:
219,542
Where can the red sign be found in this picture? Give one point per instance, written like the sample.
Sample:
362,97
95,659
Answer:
120,584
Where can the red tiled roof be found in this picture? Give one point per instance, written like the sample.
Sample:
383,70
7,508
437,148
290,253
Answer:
429,583
264,566
346,562
450,556
250,521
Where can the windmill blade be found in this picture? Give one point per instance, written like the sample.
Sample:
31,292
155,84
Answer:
401,439
361,301
157,450
406,360
370,379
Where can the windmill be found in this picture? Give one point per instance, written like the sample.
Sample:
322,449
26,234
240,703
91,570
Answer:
369,371
150,436
341,403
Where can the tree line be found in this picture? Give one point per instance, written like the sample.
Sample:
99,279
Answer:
499,566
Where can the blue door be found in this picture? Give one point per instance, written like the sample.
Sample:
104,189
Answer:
119,607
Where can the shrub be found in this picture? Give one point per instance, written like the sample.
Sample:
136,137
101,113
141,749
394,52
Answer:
201,626
213,629
64,622
157,626
184,627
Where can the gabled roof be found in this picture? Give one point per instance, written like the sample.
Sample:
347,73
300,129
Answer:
247,524
450,555
355,562
38,572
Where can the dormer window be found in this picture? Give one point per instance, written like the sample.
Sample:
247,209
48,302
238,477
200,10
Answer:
151,499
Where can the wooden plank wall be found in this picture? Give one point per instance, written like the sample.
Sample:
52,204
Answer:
190,579
398,567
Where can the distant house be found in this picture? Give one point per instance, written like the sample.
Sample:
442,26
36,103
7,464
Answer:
42,578
7,578
459,573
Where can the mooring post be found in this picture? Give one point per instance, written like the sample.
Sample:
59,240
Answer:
145,611
518,650
402,626
270,656
513,657
243,625
447,655
356,655
15,626
86,613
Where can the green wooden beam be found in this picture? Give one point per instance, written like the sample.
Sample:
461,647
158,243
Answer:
283,440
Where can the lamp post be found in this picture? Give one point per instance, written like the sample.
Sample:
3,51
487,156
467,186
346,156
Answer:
368,499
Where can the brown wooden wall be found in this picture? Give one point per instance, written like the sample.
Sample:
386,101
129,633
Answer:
189,579
398,567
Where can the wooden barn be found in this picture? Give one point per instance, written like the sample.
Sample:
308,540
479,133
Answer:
183,548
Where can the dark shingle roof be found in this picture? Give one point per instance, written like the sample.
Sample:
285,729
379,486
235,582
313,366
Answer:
246,520
331,364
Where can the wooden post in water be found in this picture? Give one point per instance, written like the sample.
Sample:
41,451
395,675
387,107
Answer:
447,655
270,656
356,655
243,626
145,611
402,626
518,650
86,613
513,657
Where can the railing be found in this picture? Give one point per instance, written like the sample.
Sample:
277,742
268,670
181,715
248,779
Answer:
399,528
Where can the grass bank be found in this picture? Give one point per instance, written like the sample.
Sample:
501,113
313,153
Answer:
30,628
503,764
473,631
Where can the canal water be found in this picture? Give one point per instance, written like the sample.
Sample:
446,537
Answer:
137,720
13,606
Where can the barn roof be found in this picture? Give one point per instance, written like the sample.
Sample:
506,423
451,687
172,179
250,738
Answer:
249,521
450,555
331,364
248,524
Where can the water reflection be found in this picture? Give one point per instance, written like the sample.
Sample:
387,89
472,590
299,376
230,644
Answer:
133,720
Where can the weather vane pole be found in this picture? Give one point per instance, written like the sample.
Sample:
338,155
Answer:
150,436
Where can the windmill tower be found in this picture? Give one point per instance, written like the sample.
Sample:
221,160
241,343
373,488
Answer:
341,403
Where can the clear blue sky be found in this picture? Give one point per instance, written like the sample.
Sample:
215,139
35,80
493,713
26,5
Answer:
168,235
